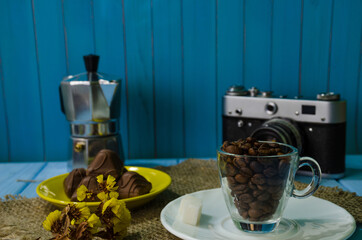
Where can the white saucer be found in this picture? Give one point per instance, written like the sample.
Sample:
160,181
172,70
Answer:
310,218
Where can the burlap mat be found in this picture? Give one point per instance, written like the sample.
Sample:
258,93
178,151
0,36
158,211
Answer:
22,218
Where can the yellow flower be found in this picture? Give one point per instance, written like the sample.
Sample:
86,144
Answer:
82,193
113,195
118,207
119,227
77,213
111,181
108,188
84,210
51,218
94,223
100,178
113,203
102,196
122,216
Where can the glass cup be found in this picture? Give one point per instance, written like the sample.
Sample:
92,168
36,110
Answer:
256,189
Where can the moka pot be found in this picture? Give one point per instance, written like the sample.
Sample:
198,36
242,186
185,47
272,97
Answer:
91,104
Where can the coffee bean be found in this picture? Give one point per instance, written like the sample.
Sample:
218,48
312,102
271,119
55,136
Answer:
247,160
237,193
262,187
258,179
256,166
229,159
232,149
239,187
252,152
244,214
257,205
230,170
264,145
242,178
265,161
272,151
263,151
257,192
267,208
256,144
243,205
270,172
255,213
239,162
246,171
273,189
277,195
264,196
231,181
274,181
252,185
245,146
225,144
246,198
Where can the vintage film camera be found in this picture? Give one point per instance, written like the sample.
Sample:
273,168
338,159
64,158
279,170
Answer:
317,127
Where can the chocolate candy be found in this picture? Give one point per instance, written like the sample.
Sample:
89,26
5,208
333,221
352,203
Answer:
256,182
92,185
106,162
72,181
132,184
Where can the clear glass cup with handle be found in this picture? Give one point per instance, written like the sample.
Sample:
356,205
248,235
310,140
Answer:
256,189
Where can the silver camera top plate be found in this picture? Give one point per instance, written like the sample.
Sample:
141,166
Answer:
300,110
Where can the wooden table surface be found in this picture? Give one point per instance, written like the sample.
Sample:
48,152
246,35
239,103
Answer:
23,178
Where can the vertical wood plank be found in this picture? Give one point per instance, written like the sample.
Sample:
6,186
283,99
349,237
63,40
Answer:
4,134
21,85
200,80
285,47
258,28
138,31
358,124
315,47
52,68
79,33
168,78
230,43
345,60
108,20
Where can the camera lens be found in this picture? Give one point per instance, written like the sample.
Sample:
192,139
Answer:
279,130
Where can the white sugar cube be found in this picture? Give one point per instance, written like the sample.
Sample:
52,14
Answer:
190,210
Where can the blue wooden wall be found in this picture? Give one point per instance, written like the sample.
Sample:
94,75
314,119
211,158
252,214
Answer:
176,59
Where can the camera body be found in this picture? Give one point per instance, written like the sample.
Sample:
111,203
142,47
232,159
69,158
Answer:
317,127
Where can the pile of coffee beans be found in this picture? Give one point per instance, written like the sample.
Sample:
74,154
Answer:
256,182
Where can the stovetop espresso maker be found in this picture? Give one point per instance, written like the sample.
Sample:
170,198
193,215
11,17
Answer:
91,104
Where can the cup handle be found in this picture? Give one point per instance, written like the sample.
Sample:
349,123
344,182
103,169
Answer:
316,178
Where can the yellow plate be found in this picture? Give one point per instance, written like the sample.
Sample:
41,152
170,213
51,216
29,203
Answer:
52,189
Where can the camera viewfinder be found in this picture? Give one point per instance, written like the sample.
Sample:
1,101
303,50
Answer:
308,109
